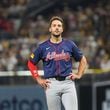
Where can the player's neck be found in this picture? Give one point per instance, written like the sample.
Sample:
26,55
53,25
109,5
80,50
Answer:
56,39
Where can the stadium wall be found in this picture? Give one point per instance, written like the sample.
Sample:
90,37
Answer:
21,92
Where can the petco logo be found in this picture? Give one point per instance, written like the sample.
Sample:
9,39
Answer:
20,104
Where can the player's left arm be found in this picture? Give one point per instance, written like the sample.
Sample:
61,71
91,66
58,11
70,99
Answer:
81,68
78,56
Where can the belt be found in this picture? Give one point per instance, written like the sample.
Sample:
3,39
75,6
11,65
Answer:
59,78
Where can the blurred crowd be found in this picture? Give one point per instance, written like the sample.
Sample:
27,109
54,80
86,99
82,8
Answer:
88,26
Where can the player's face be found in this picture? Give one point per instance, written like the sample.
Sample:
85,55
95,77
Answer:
56,28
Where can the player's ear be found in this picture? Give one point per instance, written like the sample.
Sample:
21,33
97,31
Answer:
62,29
49,29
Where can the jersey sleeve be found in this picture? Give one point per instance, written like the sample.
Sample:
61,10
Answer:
76,52
36,56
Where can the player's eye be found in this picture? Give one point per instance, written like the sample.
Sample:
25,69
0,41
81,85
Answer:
59,25
54,25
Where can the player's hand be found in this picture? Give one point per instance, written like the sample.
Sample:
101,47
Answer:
74,76
43,82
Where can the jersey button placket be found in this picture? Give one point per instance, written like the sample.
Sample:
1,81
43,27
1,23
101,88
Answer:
57,61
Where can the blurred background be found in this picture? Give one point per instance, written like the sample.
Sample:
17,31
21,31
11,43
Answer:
24,24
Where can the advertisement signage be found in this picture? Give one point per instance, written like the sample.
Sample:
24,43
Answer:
22,98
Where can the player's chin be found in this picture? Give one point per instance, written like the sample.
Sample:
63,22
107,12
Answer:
56,35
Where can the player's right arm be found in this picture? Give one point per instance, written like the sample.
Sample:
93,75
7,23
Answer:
34,71
35,57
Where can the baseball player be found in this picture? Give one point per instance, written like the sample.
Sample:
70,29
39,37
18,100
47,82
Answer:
56,54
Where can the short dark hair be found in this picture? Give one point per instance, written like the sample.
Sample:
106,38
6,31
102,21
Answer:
56,18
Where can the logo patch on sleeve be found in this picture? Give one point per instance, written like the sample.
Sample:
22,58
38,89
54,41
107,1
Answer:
32,55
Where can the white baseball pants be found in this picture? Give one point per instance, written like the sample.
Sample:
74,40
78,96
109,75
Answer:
61,92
